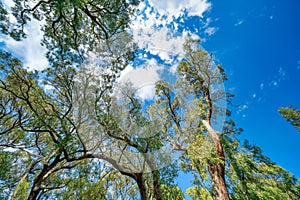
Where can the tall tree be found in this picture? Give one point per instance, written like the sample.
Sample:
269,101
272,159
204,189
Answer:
38,123
223,168
197,76
55,131
50,136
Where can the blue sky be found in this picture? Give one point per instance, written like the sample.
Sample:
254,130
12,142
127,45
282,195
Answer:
258,43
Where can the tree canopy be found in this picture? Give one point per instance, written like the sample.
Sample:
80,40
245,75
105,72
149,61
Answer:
70,132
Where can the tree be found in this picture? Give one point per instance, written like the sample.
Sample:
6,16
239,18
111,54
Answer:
173,193
223,168
53,128
47,138
55,131
291,115
198,75
57,141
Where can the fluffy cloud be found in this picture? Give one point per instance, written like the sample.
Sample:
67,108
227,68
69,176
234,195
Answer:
160,13
29,50
160,42
8,3
240,22
143,78
210,30
156,28
160,29
175,8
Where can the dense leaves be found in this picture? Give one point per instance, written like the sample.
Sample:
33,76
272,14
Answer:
72,27
292,115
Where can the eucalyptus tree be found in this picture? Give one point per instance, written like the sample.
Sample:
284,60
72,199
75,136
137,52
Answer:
249,173
252,175
38,125
53,124
71,29
24,125
193,120
223,167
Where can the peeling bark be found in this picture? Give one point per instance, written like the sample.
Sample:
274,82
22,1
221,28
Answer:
217,169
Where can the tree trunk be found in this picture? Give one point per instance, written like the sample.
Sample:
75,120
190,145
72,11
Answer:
33,194
42,176
36,188
217,169
216,172
142,186
156,185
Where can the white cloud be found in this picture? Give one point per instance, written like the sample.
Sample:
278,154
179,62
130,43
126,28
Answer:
8,3
281,76
143,79
164,41
127,70
147,92
175,8
273,83
281,73
207,22
173,69
210,30
242,108
240,22
29,50
261,86
161,42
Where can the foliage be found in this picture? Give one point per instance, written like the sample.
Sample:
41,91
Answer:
70,133
70,27
38,125
199,193
252,175
172,193
292,115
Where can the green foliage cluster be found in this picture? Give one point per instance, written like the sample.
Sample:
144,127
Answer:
70,27
292,115
173,192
